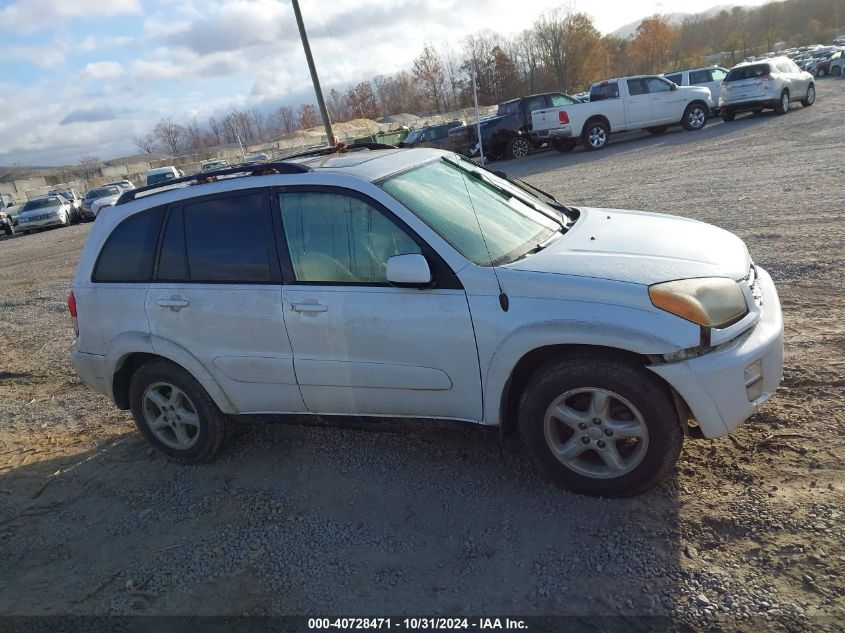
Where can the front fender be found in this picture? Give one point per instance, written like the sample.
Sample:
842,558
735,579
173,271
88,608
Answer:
123,346
559,332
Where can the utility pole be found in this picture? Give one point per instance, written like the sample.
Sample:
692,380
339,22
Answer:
315,80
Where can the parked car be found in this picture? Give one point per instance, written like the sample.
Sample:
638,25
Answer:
42,213
837,65
108,199
72,196
436,136
8,214
416,284
709,77
765,85
162,174
628,103
125,185
823,65
508,134
255,158
94,194
210,165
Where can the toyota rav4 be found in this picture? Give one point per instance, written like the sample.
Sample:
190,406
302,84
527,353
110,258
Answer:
417,284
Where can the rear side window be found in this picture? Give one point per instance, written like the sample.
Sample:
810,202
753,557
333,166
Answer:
752,71
719,74
699,77
609,90
561,100
226,239
511,107
637,87
677,78
129,252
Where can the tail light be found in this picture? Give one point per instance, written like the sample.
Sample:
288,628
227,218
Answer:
766,77
563,116
71,307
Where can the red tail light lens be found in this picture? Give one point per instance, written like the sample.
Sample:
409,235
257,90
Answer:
71,307
563,116
766,77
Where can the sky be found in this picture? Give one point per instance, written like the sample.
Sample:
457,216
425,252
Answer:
83,77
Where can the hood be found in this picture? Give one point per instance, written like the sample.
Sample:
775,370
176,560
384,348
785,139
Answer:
639,247
105,201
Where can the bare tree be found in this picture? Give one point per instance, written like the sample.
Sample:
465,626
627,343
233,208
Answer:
308,116
89,166
170,135
259,124
146,144
283,121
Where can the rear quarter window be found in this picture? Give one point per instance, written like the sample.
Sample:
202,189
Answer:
608,90
129,252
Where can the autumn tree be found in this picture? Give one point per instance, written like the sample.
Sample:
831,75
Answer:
428,71
361,101
308,117
652,45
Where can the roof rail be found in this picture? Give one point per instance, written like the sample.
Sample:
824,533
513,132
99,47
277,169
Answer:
204,177
340,148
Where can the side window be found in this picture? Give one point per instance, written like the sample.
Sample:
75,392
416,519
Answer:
655,84
561,100
172,261
129,252
699,77
636,87
677,78
718,74
337,238
603,91
225,239
536,103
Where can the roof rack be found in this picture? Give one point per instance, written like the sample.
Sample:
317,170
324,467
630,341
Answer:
340,148
204,177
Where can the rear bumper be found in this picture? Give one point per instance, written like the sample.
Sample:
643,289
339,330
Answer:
744,106
714,385
564,131
91,369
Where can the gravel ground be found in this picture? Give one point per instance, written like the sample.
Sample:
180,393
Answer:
415,518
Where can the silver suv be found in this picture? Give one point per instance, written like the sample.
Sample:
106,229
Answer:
772,84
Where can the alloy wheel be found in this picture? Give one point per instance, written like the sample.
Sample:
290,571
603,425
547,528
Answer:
171,416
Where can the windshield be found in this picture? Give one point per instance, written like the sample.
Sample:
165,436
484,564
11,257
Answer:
101,192
413,137
43,203
154,179
456,202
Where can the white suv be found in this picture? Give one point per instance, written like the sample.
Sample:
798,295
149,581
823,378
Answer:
709,77
414,283
771,84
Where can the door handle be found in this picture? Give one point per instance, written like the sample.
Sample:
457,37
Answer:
309,307
174,303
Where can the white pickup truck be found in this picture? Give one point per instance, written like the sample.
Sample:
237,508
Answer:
619,105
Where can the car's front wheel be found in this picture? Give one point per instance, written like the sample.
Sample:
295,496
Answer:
518,147
809,98
175,413
695,117
600,425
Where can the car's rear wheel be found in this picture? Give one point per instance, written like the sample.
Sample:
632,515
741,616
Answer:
657,130
836,71
728,115
175,414
695,117
809,98
783,103
822,72
595,135
600,425
518,147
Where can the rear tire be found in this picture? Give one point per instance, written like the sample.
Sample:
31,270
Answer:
809,98
836,71
783,104
695,117
175,414
728,115
599,424
657,130
595,135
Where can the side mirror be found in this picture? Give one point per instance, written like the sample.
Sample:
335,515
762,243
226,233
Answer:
673,87
408,270
500,174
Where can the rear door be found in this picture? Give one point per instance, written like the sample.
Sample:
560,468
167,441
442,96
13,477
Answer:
361,345
217,294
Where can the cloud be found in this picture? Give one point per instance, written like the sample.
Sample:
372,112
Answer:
42,56
235,25
90,115
30,15
101,70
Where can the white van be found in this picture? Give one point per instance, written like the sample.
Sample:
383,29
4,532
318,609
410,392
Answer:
162,174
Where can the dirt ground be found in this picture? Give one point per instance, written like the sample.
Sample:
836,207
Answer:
432,519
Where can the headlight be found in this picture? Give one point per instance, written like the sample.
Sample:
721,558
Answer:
708,301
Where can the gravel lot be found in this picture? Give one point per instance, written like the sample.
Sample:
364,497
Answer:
432,519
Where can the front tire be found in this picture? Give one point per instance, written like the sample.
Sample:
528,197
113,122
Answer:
695,117
175,414
600,425
809,98
518,147
595,135
783,104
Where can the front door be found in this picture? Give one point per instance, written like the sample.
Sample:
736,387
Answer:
639,106
217,295
361,345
